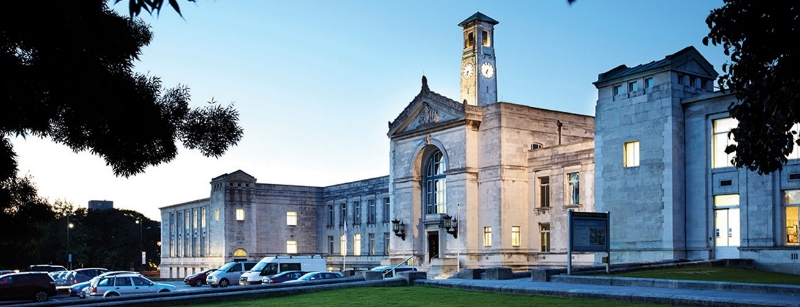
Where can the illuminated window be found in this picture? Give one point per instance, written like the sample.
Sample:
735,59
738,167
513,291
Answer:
291,247
203,218
194,218
291,218
487,236
791,216
631,158
515,236
720,141
240,214
544,231
357,244
435,185
240,252
343,245
574,189
544,192
216,214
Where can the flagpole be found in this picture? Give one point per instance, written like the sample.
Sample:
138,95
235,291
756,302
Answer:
344,255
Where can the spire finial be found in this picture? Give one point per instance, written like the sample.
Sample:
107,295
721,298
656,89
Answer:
425,84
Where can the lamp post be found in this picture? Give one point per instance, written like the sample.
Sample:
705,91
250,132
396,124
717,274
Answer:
141,245
69,255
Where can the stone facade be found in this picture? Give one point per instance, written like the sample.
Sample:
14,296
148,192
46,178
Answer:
683,191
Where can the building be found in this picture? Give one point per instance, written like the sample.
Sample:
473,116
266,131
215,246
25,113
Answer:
660,165
101,204
501,175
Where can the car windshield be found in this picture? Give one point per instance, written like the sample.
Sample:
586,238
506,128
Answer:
259,266
307,276
227,266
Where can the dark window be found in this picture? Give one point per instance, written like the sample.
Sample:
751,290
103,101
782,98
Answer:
343,215
290,267
386,210
356,213
330,215
371,211
123,282
485,38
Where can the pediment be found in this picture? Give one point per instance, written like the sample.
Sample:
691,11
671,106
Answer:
237,176
691,61
427,110
695,67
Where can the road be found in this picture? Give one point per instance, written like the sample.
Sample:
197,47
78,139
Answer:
63,295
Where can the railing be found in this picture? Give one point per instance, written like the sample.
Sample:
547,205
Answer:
395,266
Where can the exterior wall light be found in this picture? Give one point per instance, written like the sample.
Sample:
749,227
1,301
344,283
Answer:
399,229
450,225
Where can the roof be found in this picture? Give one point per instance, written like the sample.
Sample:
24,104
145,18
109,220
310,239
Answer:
622,70
479,17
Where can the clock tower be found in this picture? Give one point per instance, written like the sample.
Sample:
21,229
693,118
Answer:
478,71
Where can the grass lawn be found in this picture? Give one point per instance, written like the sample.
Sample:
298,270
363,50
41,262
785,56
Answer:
716,274
414,296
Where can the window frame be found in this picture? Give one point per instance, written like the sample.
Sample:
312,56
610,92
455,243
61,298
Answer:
386,209
515,236
544,238
633,86
630,154
790,233
290,246
291,218
487,236
648,82
371,211
617,89
357,244
720,127
435,184
573,189
357,212
240,216
544,192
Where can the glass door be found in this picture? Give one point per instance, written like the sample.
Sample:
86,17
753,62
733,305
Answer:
726,233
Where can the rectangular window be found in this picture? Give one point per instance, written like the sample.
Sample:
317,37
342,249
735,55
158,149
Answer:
515,236
187,222
291,247
791,216
343,245
544,192
618,89
291,218
330,245
720,141
194,218
680,79
371,244
172,234
544,230
487,236
485,38
356,213
633,86
203,218
371,211
386,210
648,82
343,214
574,189
330,215
240,214
216,214
631,158
386,243
692,81
357,244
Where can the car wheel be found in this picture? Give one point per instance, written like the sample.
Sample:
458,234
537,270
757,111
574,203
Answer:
112,294
223,283
41,296
198,283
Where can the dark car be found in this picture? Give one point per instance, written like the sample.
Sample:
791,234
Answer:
197,279
282,277
86,274
75,290
312,276
38,286
387,269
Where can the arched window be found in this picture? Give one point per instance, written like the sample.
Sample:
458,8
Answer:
240,253
435,191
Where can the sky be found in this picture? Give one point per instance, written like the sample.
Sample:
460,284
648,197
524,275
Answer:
316,82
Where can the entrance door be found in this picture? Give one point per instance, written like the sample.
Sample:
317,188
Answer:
433,245
726,232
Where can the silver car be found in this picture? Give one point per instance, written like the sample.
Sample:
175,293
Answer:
127,284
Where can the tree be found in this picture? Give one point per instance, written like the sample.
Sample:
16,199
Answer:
764,74
136,6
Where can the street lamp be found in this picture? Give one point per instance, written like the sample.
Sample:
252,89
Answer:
69,255
141,245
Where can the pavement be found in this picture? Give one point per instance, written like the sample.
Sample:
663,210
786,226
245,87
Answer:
681,294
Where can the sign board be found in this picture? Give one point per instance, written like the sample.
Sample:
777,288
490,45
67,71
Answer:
588,231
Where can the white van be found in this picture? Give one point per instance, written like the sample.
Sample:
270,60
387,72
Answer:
275,264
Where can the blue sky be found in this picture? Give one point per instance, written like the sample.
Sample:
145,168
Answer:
316,82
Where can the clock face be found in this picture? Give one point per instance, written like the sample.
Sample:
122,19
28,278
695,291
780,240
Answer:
468,71
487,70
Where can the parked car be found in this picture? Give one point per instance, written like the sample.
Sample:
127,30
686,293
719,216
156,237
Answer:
231,271
387,269
282,277
76,289
93,282
197,279
63,279
38,286
127,284
46,268
317,276
86,274
272,265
